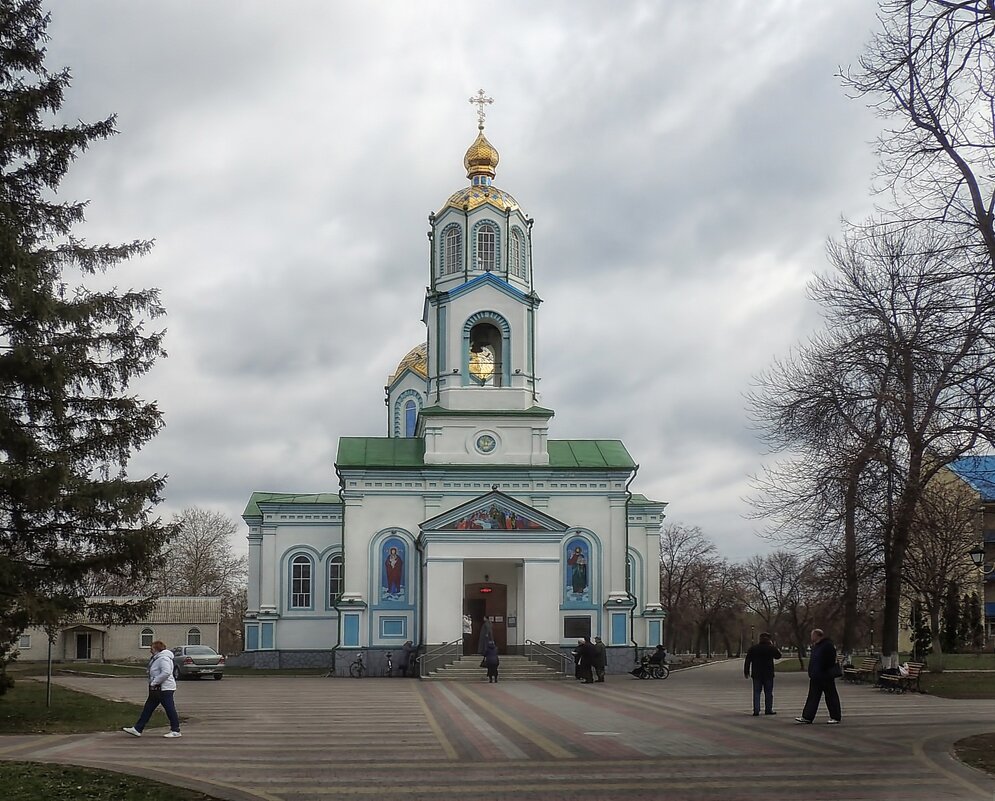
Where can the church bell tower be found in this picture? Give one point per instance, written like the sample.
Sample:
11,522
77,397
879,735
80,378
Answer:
482,401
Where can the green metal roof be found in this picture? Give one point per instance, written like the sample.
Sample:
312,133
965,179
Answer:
604,454
381,452
642,500
252,508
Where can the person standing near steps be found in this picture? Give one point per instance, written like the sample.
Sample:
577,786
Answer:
162,685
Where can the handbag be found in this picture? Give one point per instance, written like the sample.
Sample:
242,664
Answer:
836,671
483,663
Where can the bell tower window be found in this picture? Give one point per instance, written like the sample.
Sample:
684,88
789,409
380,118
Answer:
485,355
452,250
486,247
516,254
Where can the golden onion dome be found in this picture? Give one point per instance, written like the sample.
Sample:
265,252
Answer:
481,161
416,360
481,157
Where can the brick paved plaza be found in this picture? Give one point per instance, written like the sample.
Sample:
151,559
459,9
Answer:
689,737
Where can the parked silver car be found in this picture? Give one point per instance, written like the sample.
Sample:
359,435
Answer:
197,660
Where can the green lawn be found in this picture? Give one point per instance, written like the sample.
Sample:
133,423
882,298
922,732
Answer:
23,711
30,781
978,752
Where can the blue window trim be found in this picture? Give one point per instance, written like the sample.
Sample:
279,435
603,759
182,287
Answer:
291,558
267,636
618,628
350,630
399,404
502,324
459,250
337,554
401,633
497,245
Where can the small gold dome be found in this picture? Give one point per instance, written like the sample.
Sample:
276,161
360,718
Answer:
472,196
481,158
416,360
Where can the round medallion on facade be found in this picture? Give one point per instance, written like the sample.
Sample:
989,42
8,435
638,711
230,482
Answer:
486,443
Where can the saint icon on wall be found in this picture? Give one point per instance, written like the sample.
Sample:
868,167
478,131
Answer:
392,587
577,571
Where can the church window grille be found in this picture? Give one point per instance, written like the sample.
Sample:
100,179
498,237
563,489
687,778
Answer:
336,578
300,583
452,250
193,636
147,636
410,418
486,247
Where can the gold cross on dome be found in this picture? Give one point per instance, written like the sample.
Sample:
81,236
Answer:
480,100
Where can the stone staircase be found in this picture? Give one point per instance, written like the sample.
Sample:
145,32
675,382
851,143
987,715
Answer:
512,668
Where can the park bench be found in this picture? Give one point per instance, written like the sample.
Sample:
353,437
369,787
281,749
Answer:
896,683
864,669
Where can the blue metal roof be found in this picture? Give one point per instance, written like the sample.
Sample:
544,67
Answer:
979,472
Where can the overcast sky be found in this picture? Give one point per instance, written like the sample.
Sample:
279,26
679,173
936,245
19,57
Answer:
684,162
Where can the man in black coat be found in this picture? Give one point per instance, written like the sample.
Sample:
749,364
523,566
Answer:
822,674
760,663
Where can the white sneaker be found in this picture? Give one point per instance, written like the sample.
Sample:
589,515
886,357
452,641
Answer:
831,721
132,731
172,734
802,720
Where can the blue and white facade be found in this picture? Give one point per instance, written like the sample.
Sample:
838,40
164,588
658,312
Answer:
467,511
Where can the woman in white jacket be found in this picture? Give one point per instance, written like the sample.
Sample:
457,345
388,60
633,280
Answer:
162,685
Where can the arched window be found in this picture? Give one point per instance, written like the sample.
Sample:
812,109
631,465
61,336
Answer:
485,355
517,254
193,636
147,636
300,582
452,250
628,574
410,418
486,247
336,578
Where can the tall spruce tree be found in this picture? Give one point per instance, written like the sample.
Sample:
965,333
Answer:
68,353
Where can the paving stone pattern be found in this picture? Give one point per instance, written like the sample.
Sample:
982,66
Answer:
689,737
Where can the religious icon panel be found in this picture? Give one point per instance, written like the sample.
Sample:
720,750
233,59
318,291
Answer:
393,581
577,577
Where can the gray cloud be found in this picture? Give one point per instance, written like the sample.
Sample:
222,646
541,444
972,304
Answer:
684,163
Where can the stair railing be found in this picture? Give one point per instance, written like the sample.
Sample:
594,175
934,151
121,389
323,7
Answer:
438,656
549,656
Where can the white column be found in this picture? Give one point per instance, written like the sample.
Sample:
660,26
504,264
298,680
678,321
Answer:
270,578
443,598
539,620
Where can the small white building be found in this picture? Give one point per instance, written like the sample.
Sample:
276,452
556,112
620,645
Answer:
173,620
467,511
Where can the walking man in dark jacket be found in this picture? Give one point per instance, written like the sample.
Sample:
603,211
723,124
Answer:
822,673
760,663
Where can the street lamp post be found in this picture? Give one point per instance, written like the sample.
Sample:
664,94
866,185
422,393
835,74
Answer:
872,630
752,629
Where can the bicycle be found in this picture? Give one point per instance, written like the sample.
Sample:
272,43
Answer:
357,669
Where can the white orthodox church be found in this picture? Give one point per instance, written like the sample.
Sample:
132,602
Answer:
468,511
